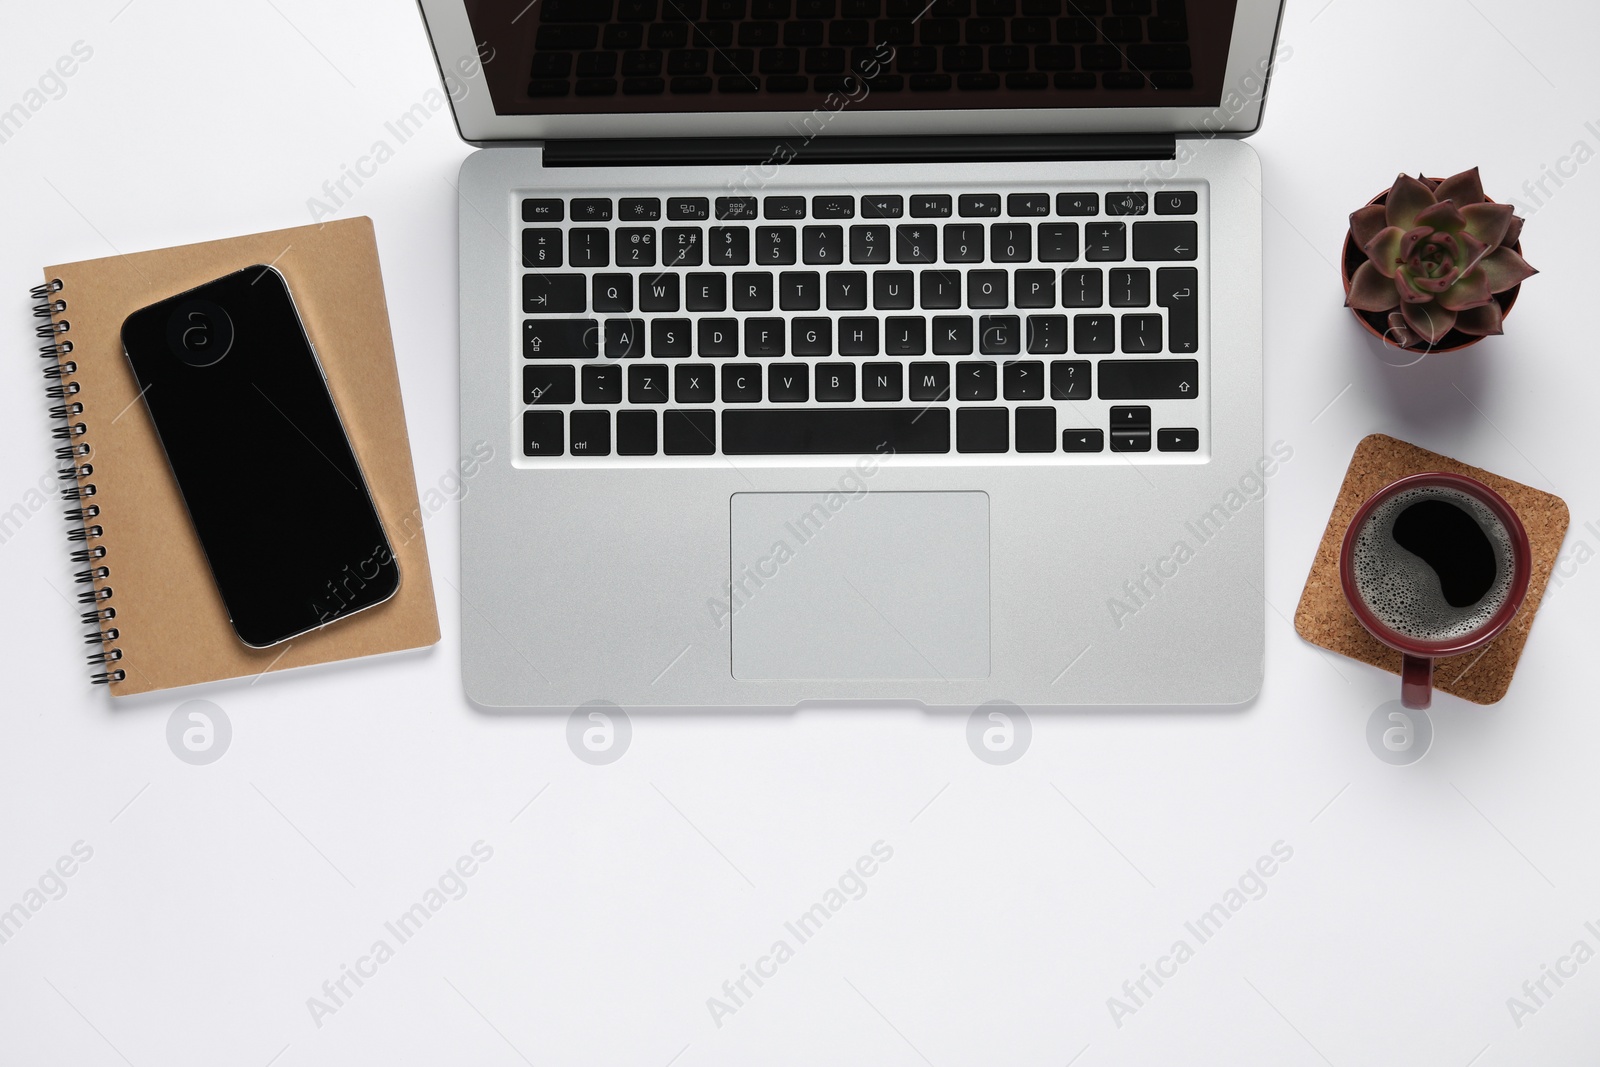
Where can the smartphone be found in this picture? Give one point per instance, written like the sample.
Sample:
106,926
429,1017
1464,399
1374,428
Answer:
255,443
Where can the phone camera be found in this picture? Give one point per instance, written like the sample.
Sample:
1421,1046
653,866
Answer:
199,332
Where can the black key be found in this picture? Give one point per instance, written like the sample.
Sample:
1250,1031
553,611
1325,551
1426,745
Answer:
658,292
930,381
963,243
592,209
560,338
869,244
730,246
541,247
1069,379
833,207
552,65
917,243
1058,242
811,337
719,337
880,382
741,383
1024,204
1130,429
602,385
624,338
1094,334
979,205
591,433
544,210
904,336
982,430
552,294
688,208
835,431
752,291
1047,335
1176,290
669,338
636,246
999,335
1167,203
1024,380
618,38
1011,242
636,433
784,207
1107,240
800,290
689,433
587,247
1185,439
952,335
736,207
1035,288
541,433
893,290
1077,203
987,289
694,383
558,38
691,85
1127,203
1082,288
847,290
822,244
681,246
788,383
882,206
707,292
1036,429
858,337
941,290
640,208
975,381
1083,440
1165,240
1141,334
550,383
613,292
930,206
1149,379
1130,287
764,337
775,244
647,384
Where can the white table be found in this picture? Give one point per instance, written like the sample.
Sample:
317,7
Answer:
619,898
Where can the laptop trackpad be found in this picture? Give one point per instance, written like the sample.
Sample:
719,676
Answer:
871,585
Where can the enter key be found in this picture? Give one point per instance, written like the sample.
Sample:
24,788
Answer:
1178,290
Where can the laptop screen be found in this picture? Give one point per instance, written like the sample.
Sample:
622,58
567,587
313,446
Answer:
605,57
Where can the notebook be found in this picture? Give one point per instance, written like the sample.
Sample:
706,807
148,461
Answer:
155,618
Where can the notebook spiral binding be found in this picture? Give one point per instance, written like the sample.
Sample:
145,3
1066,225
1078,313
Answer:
74,451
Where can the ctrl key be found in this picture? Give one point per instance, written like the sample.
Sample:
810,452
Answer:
542,433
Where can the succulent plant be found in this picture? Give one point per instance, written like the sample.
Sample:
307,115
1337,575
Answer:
1437,252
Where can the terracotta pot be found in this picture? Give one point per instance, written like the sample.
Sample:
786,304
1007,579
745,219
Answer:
1377,322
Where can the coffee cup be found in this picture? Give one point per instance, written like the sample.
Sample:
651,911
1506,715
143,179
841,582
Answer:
1434,565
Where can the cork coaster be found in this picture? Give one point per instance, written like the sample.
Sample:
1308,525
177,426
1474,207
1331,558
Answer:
1324,619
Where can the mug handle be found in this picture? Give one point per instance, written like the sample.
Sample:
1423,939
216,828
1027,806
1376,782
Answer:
1416,682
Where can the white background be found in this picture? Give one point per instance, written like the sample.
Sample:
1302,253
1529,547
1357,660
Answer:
1019,898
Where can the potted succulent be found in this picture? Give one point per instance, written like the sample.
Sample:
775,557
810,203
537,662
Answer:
1433,265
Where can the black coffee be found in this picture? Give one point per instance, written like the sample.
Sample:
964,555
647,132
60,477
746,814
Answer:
1433,563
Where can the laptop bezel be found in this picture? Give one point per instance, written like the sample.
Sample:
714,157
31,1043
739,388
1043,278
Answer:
1252,53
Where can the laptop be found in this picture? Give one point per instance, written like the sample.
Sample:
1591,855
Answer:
860,350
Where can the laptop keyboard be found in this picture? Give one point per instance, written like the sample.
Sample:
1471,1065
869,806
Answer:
1044,326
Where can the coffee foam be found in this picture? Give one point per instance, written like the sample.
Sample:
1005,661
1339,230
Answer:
1403,591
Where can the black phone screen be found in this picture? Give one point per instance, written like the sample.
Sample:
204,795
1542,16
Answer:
260,456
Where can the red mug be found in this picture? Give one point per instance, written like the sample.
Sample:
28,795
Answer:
1416,673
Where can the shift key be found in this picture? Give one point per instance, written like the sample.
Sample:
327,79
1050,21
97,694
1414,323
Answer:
553,294
560,339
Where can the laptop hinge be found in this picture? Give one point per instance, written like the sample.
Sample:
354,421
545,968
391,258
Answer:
738,151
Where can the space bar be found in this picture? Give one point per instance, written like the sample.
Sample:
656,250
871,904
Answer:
834,431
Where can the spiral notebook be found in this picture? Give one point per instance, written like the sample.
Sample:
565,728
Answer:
153,615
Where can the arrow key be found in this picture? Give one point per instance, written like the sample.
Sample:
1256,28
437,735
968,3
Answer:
1083,440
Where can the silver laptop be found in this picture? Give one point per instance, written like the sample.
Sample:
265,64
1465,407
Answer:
860,350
